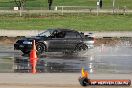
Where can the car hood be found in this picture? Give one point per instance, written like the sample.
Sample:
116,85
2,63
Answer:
34,38
30,39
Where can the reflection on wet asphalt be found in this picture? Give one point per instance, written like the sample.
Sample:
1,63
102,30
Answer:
101,59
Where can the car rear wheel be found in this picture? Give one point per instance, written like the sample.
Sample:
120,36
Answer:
81,47
40,48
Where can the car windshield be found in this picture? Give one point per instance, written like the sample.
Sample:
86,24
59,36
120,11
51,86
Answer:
46,33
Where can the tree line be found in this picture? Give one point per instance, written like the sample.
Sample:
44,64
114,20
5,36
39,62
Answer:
21,4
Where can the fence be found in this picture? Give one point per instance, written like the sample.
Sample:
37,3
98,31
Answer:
87,9
66,9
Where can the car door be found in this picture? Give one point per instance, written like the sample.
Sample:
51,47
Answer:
56,42
72,38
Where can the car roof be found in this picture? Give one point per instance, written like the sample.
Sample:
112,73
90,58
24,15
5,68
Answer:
65,30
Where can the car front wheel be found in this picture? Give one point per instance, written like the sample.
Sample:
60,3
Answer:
40,48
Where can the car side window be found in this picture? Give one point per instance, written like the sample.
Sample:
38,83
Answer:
78,35
54,34
60,35
57,34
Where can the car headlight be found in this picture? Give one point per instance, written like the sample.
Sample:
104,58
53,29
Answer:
27,42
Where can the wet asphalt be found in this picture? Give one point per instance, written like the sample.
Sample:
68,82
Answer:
115,59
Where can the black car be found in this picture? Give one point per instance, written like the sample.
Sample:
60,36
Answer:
56,40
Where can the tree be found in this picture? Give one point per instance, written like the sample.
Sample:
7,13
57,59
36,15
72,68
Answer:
100,3
20,4
50,3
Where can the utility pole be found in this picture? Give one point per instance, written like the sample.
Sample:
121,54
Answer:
97,8
113,6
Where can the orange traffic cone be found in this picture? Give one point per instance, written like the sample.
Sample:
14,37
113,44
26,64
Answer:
33,58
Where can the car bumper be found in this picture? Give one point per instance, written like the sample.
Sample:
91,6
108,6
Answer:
22,47
90,44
